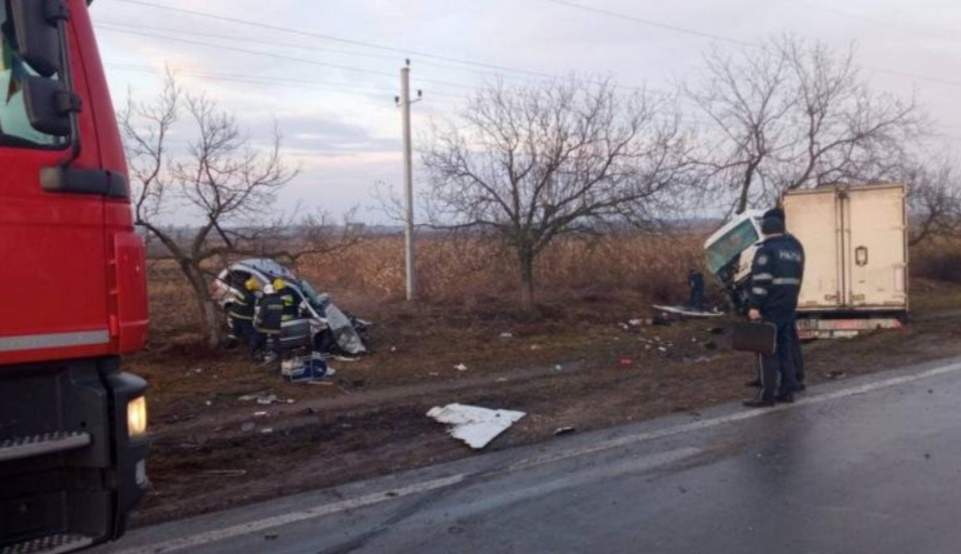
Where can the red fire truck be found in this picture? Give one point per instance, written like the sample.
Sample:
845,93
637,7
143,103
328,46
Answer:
73,299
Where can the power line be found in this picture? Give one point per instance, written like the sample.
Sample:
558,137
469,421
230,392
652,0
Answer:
652,23
125,29
282,56
499,69
333,38
121,26
611,13
264,80
898,25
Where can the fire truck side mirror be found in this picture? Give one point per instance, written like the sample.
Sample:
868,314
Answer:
49,105
35,25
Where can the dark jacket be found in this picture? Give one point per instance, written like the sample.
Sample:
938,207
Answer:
776,276
291,303
243,308
270,312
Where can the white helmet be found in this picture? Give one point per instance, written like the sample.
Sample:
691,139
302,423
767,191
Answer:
269,289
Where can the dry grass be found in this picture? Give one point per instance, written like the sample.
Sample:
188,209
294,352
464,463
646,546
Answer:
477,277
938,259
472,269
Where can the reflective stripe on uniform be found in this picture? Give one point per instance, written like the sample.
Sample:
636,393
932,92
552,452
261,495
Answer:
759,291
762,277
54,340
787,281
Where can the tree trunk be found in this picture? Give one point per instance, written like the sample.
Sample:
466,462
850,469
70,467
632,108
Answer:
746,186
209,312
526,266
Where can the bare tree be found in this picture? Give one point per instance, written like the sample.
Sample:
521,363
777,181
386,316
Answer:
934,200
531,164
746,102
223,181
792,114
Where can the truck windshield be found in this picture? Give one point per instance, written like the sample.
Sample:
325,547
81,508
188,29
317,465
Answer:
730,245
15,129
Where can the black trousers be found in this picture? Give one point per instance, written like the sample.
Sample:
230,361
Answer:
796,355
778,371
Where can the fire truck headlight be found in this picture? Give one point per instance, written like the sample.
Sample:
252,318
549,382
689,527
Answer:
137,416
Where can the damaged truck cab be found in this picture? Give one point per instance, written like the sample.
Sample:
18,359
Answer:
72,424
730,251
856,272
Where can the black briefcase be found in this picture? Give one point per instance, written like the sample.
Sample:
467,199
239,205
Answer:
760,337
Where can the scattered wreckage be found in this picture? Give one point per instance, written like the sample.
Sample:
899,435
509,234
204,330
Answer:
321,328
474,425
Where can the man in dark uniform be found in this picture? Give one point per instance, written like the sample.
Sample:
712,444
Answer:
241,314
269,319
695,281
776,276
290,297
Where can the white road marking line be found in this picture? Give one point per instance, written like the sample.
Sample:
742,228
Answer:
740,416
294,517
434,484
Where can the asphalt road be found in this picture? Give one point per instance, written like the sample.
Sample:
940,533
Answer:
865,465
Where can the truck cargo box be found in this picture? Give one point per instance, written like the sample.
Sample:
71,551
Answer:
855,241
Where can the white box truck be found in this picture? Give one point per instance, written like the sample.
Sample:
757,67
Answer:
855,241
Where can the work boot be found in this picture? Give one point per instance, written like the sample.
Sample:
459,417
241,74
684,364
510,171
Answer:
753,384
785,398
758,403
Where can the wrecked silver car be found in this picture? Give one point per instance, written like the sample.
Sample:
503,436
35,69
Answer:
321,325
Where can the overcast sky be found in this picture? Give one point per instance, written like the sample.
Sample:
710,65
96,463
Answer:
333,97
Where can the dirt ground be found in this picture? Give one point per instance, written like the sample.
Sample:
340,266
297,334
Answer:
579,365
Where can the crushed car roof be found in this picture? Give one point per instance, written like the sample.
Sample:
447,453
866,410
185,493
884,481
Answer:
266,266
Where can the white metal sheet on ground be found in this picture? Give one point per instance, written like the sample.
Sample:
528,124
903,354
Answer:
474,425
686,312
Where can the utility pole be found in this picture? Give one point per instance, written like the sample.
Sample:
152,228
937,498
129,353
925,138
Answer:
404,101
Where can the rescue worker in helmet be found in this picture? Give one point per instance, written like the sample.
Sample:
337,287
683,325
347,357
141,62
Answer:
776,275
290,297
241,314
268,322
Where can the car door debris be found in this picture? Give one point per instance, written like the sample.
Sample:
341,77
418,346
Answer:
475,425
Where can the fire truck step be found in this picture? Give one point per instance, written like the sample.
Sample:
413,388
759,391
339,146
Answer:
53,544
37,445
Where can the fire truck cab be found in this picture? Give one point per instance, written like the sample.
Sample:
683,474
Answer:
72,423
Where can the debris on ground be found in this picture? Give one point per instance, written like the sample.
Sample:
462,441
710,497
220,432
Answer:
507,335
474,425
563,431
248,426
302,369
626,362
266,400
226,472
461,367
835,374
